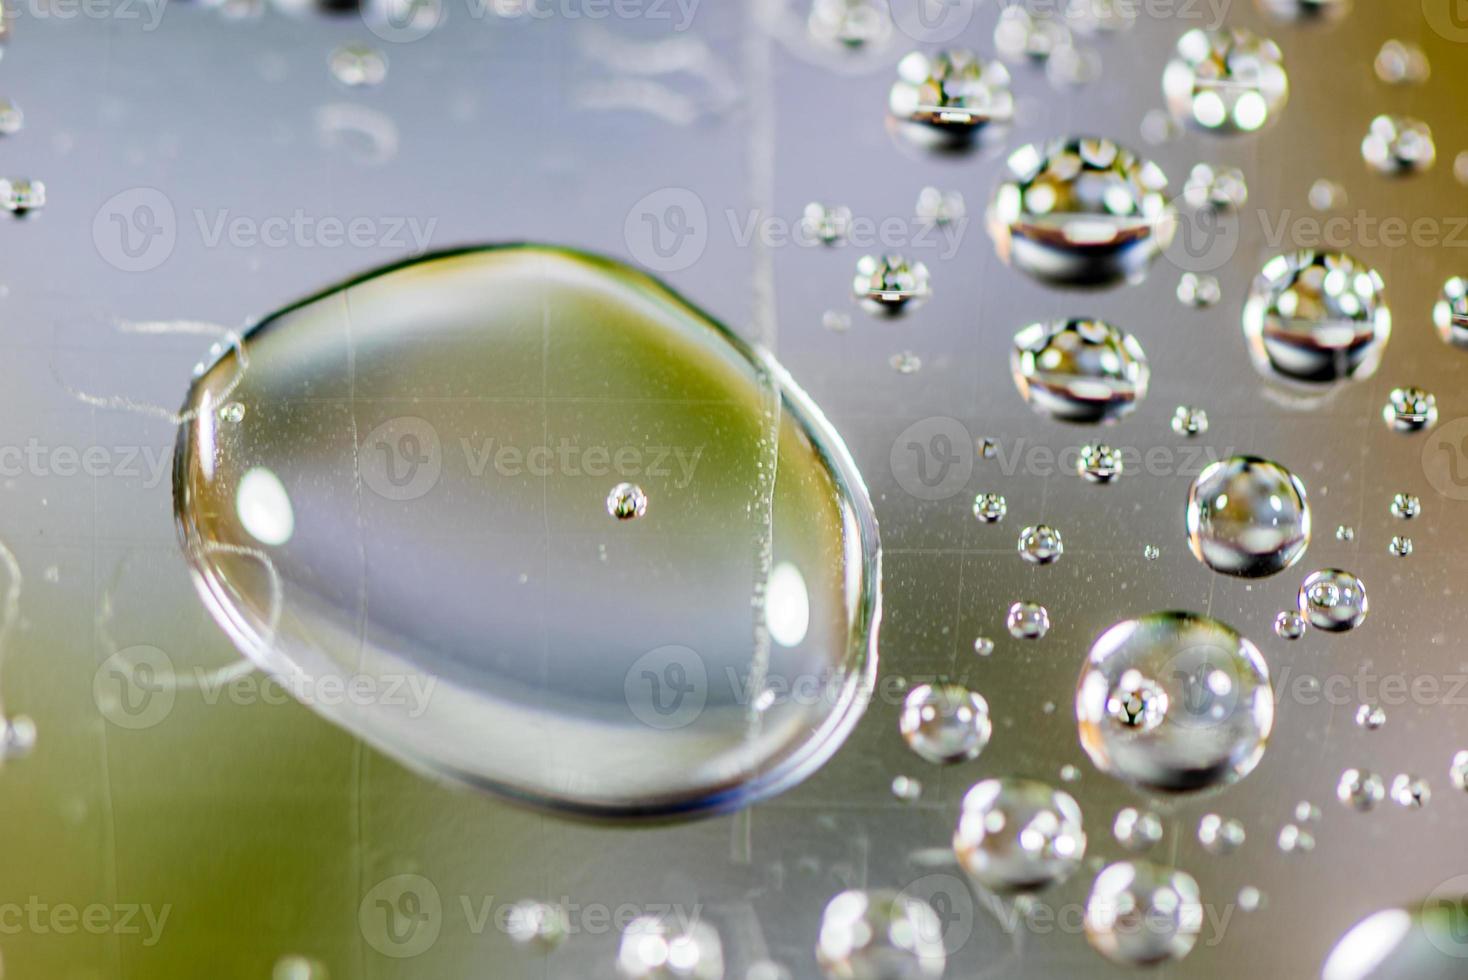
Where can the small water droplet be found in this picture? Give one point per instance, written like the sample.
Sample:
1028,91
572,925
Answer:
358,65
1221,188
1400,546
1028,621
627,501
906,362
1136,830
1460,167
22,194
983,646
1220,835
836,321
890,284
1079,370
539,924
988,448
1151,552
1398,145
1019,835
1346,533
1099,463
1040,544
1360,789
659,947
1129,893
1458,769
1250,898
1227,80
1410,792
1248,517
951,95
1189,421
990,507
828,224
1294,839
1198,290
940,207
232,412
1289,625
1370,717
1410,409
11,118
880,933
850,23
1402,63
945,723
1450,313
906,788
1068,772
1306,812
1317,317
1333,600
1327,195
295,967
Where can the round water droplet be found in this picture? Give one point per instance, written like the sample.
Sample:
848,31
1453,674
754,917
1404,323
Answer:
1317,316
1306,812
1410,792
1294,839
1151,552
1079,370
1020,35
983,646
659,947
1226,80
1400,546
1289,625
21,194
1220,835
1360,789
1019,835
1220,188
1198,291
905,362
945,723
940,207
1345,532
890,284
583,368
990,507
358,64
1099,463
1398,145
1406,506
1402,63
1333,600
1410,409
950,95
1174,701
233,412
1370,717
1140,913
1327,195
1247,517
1458,769
1451,312
1081,212
1028,621
880,933
538,924
1040,544
1189,421
626,502
1250,898
1136,830
828,224
906,788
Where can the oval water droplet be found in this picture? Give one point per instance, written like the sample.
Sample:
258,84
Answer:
1360,789
467,573
1317,317
1247,517
990,508
1226,80
1079,370
1398,146
889,284
1019,835
1140,913
1174,701
1410,409
949,96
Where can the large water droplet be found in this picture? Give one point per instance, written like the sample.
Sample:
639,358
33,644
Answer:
1426,941
1248,517
1081,212
880,934
1226,80
1079,370
439,438
1317,316
1018,834
1204,706
1140,913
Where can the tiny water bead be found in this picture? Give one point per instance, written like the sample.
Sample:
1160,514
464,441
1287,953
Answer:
1406,506
1198,290
1019,835
11,118
1450,313
940,207
1306,812
983,646
539,924
1360,789
1400,546
1225,80
836,321
1370,717
627,501
1174,701
880,933
1401,63
990,508
1136,830
1220,835
1151,552
1099,463
1081,212
945,723
1333,600
1189,421
21,194
1289,625
1346,533
358,65
890,284
1410,792
906,362
1294,839
1221,188
1410,409
1458,770
1247,517
828,224
233,413
1084,371
1250,898
553,349
1140,913
1028,621
659,947
950,95
1398,146
906,788
1327,195
1069,773
1040,544
1317,317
